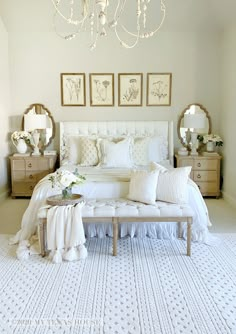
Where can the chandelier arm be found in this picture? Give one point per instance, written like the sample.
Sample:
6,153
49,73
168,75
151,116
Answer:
77,22
125,44
152,32
66,37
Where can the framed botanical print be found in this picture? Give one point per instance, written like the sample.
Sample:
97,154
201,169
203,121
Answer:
101,89
130,89
73,89
159,89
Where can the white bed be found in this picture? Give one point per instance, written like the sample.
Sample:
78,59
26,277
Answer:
114,182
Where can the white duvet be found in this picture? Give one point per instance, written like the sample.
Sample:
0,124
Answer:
114,183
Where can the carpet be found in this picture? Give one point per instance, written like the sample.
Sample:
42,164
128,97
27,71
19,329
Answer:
150,287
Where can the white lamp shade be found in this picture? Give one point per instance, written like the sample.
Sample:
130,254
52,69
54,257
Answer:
195,121
34,122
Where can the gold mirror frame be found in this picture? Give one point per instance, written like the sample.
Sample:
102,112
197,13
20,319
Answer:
39,108
181,119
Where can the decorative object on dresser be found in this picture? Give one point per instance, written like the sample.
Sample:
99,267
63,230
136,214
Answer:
101,89
20,139
159,89
198,125
26,171
211,142
205,172
38,119
130,89
73,91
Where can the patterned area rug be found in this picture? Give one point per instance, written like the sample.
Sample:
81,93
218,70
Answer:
150,287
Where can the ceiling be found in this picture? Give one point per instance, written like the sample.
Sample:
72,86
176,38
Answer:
187,15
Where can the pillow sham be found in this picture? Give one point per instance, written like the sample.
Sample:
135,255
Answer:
73,144
115,154
142,187
89,152
172,184
140,151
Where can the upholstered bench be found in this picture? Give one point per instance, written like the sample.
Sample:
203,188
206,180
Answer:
118,211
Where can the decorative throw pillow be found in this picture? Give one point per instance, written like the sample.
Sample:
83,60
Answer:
140,151
89,153
172,184
142,187
115,154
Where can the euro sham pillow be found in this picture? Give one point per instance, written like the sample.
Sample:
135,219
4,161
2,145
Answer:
142,187
115,154
172,184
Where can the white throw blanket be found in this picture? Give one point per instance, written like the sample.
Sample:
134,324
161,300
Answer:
65,233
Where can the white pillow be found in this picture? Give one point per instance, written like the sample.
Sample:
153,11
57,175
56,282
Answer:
115,154
89,153
142,187
172,184
74,149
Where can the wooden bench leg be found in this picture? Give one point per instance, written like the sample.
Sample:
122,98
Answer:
180,230
42,235
189,236
115,235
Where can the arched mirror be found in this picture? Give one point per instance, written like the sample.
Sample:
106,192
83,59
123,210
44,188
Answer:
193,119
38,120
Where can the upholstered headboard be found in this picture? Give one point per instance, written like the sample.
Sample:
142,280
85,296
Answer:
115,129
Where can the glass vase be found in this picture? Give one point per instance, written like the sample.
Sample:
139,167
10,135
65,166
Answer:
210,146
67,193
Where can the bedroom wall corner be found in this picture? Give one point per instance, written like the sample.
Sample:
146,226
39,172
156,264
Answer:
228,114
4,112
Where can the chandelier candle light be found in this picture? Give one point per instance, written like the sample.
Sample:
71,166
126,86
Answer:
95,17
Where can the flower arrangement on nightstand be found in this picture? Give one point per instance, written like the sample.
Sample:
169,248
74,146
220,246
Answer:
211,141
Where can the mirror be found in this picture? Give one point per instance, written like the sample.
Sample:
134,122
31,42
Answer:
182,130
47,132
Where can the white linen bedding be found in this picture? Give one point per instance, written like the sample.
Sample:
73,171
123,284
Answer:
113,183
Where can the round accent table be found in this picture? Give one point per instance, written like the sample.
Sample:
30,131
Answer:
59,200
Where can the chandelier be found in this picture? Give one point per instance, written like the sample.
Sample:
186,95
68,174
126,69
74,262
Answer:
98,16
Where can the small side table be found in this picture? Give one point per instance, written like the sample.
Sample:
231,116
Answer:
54,201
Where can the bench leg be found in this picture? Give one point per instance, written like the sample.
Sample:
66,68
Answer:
42,236
189,236
179,230
115,235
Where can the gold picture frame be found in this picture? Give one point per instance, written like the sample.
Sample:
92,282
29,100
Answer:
159,89
130,89
73,91
101,89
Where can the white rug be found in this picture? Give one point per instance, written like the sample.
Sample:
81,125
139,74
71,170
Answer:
150,287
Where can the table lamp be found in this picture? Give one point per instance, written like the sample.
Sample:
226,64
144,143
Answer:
33,123
194,122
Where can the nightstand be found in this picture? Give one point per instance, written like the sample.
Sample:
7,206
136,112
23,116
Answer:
26,171
205,172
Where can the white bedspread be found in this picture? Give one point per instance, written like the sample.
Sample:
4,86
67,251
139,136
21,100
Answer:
107,183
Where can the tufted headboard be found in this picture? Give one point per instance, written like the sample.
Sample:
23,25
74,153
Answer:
117,128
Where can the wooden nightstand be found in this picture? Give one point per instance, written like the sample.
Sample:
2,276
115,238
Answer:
205,172
26,171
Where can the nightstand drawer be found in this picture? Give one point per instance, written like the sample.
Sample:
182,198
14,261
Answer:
205,164
23,188
207,188
209,176
18,165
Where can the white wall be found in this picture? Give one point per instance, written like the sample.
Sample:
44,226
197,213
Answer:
4,110
228,112
37,59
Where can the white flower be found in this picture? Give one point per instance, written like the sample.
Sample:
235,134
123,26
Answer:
64,179
20,135
211,137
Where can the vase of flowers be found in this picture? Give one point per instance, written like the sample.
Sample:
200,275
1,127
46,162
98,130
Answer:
211,141
65,181
20,139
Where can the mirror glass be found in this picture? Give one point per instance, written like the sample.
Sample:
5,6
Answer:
182,129
47,133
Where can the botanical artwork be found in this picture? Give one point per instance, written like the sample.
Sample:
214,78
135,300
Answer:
130,89
159,89
101,89
73,89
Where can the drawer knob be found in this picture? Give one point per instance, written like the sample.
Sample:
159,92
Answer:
198,176
31,176
30,165
31,187
199,164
